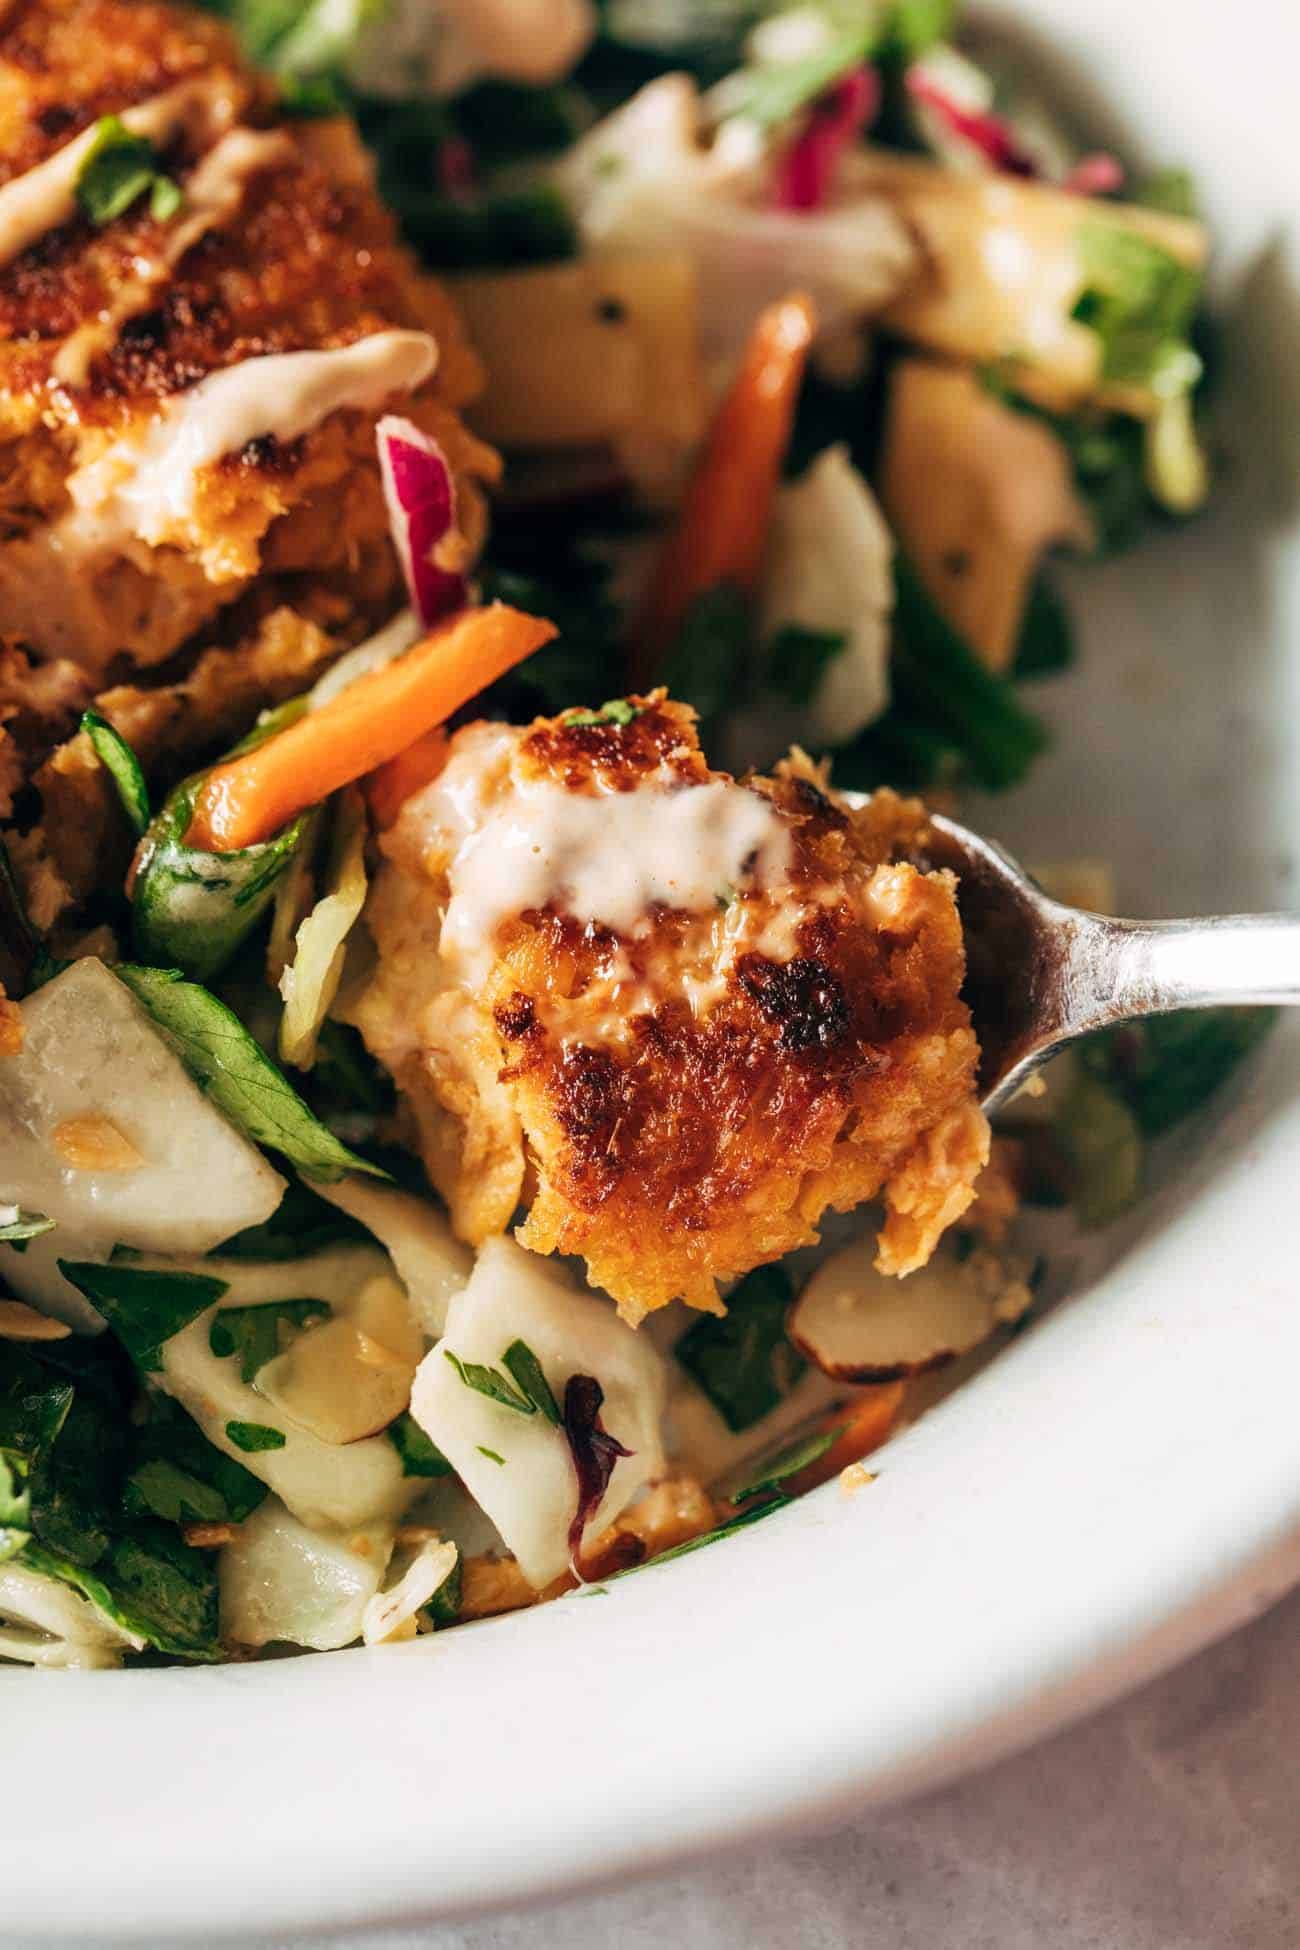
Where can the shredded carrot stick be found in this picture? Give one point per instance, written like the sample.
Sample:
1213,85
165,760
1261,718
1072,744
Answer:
869,1420
249,798
722,526
388,788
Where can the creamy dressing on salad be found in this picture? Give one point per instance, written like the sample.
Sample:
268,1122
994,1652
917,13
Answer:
144,484
608,858
44,198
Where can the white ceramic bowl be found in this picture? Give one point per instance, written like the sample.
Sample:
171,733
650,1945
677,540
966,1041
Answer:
1120,1485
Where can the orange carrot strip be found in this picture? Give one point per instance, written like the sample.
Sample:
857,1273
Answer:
722,526
388,789
248,799
867,1423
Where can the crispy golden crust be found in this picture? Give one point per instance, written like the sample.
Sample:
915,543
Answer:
99,327
674,1143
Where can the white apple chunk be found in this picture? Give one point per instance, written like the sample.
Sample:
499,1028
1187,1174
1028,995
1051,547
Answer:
518,1466
103,1131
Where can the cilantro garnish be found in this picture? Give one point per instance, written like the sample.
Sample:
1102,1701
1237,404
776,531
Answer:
118,169
253,1436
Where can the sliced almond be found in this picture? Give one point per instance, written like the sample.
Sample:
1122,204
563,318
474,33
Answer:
19,1322
860,1325
93,1142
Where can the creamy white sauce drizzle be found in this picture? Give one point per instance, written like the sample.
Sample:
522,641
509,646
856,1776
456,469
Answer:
144,485
44,198
608,858
213,195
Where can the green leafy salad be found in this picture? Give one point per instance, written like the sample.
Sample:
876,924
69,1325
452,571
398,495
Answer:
811,345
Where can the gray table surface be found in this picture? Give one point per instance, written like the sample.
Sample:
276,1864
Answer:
1170,1822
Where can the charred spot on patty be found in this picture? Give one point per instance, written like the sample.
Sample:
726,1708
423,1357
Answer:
803,999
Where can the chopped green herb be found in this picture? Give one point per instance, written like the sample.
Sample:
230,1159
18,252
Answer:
773,1470
164,1490
122,766
241,1080
420,1456
491,1454
617,711
1140,301
118,169
492,1383
771,95
258,1333
253,1437
28,1225
143,1307
526,1370
742,1359
1100,1137
797,660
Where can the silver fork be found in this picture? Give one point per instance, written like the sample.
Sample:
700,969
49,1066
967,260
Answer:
1039,974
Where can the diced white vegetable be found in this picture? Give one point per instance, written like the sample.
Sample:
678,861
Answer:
323,1483
44,1623
282,1583
351,1376
828,569
532,1493
310,982
431,1262
859,1325
90,1053
643,181
389,1611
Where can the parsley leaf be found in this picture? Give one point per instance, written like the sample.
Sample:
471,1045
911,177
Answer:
492,1383
742,1359
525,1368
252,1437
241,1080
771,94
122,766
178,1474
491,1454
118,169
525,1390
1168,1066
420,1456
728,1529
258,1333
165,1490
142,1306
444,1606
617,711
301,1224
1046,642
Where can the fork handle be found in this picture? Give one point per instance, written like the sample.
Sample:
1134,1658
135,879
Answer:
1122,969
